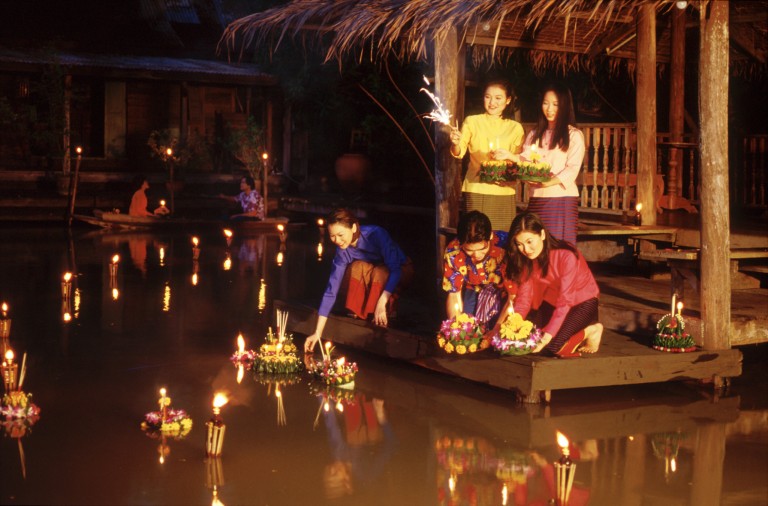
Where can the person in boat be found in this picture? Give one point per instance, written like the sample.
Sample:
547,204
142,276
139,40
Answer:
473,265
138,205
555,288
368,265
251,202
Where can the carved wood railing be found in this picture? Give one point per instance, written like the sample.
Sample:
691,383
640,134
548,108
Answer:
678,160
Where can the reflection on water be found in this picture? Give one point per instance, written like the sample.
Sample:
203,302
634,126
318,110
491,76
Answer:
164,318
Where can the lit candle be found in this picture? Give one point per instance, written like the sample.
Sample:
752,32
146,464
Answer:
115,259
638,216
195,248
565,470
674,297
4,308
281,231
162,203
680,309
240,345
164,401
319,251
216,427
340,365
279,258
66,285
339,407
490,146
320,222
228,236
563,443
169,152
327,355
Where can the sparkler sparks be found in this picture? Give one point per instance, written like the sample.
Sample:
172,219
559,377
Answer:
440,114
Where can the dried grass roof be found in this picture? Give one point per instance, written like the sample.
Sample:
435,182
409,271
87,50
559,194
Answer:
571,34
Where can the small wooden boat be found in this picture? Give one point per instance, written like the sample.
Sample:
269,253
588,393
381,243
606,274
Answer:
112,220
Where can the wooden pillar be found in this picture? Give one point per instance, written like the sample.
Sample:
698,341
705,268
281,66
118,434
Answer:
708,461
715,220
646,110
67,160
449,86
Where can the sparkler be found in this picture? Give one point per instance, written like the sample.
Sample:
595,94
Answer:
440,114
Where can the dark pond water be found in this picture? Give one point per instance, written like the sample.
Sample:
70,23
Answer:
404,436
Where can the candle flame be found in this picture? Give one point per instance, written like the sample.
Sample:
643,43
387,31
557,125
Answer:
339,407
320,250
227,233
673,464
227,263
169,151
279,258
240,343
278,393
679,307
639,207
4,307
195,241
162,203
79,150
320,222
265,156
340,362
9,356
163,391
115,294
194,279
219,400
67,276
66,317
562,441
327,346
280,227
115,259
326,407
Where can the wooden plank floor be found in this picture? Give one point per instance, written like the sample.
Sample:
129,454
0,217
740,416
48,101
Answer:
620,361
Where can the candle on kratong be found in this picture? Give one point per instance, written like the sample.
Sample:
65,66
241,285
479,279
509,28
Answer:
66,285
327,354
5,325
169,152
9,370
490,146
638,216
565,470
320,222
240,345
164,402
228,236
674,297
216,427
680,309
195,248
340,365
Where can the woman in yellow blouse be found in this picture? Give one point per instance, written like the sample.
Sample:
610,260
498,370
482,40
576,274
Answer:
489,136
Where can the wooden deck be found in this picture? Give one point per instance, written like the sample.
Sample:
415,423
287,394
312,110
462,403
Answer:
620,361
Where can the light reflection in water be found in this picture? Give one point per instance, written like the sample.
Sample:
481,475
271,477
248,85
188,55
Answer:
77,303
167,297
262,295
227,262
115,294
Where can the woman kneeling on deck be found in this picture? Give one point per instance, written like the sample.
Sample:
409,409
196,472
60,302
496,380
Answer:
554,281
473,269
369,265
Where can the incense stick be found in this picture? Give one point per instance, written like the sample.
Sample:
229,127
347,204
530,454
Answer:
23,371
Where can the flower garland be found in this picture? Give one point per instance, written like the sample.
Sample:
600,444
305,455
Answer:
671,335
18,405
516,336
177,423
275,357
338,372
496,171
462,334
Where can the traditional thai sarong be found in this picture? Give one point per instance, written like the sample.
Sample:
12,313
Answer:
560,215
571,332
364,283
500,209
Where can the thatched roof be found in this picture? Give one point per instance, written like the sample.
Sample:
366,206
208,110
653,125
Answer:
560,33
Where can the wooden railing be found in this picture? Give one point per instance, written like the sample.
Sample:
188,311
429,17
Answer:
608,179
749,174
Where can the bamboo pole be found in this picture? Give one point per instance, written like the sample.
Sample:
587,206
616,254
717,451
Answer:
715,220
646,110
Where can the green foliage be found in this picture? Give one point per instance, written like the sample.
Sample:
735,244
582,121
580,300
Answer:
248,146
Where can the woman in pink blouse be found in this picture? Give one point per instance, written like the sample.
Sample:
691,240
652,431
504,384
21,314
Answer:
555,288
560,144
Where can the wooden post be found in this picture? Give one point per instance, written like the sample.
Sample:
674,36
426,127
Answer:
646,110
715,220
449,86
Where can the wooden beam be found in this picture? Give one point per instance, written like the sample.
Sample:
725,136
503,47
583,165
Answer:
449,79
715,219
646,111
610,39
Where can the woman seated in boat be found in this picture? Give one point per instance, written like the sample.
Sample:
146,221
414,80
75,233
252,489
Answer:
368,265
555,288
473,269
251,202
138,205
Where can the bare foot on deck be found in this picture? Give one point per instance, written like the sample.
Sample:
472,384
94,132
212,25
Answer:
544,341
592,336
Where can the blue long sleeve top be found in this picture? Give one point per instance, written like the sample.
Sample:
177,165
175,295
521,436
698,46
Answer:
374,246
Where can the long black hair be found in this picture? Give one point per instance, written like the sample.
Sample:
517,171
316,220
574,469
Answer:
519,266
565,116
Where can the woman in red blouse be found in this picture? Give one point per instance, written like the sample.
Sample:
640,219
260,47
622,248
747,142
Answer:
554,285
